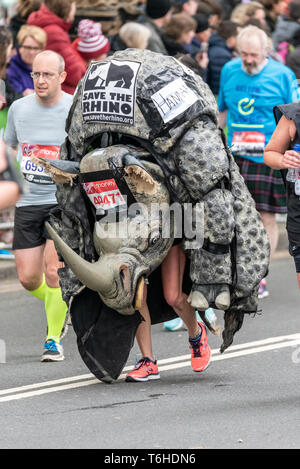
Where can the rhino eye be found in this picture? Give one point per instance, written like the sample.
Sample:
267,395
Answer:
154,240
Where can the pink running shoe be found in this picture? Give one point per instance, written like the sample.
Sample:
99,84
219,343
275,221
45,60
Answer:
262,290
144,370
200,351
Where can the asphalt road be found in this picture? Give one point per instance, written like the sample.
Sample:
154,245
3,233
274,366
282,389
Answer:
247,398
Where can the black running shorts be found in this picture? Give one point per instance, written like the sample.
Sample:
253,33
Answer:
29,227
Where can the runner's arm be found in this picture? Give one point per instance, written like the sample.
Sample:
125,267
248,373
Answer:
276,154
10,135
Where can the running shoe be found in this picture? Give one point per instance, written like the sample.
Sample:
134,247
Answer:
262,290
4,254
144,370
200,351
177,324
53,351
174,324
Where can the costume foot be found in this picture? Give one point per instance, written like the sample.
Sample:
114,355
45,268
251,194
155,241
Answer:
198,301
222,301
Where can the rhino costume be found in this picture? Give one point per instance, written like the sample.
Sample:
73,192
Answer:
135,105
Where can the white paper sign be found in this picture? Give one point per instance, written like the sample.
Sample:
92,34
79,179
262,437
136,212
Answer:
173,99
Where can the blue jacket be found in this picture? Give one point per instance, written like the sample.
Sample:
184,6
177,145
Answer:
218,54
18,74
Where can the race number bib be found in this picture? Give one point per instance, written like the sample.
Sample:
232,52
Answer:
30,170
248,143
104,194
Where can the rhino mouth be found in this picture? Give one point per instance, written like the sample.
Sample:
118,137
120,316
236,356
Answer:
132,287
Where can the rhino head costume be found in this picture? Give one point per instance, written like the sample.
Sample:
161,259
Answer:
129,243
144,108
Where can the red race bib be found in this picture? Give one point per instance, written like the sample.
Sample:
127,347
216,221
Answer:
248,143
104,194
30,170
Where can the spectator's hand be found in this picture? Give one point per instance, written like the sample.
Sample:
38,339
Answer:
291,159
203,59
27,92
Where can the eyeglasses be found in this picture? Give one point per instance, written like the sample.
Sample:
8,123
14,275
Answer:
46,75
35,49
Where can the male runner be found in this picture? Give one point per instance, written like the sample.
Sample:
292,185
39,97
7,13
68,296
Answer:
36,123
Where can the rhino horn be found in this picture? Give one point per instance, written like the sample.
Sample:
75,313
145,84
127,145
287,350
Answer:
93,275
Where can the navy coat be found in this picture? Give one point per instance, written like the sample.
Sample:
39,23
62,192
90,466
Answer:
219,54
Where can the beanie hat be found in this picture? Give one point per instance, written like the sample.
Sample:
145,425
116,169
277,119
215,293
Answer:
202,22
158,8
91,42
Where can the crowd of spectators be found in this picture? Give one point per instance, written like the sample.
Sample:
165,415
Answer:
200,33
205,31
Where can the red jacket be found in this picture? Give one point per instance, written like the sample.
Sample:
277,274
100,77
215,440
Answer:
58,40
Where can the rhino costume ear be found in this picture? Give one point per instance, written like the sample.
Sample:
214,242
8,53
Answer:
143,182
61,171
139,176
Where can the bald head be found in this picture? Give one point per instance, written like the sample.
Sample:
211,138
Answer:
53,56
48,71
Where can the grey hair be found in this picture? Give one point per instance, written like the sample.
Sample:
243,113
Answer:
135,35
61,62
253,31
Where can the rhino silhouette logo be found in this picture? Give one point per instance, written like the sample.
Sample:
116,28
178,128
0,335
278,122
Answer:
120,76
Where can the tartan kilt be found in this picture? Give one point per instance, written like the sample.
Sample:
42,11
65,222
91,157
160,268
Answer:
265,185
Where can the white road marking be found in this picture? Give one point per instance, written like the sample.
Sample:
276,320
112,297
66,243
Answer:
46,383
239,350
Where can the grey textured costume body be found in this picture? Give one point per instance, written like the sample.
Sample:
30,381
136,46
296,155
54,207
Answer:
157,104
